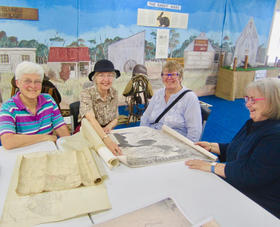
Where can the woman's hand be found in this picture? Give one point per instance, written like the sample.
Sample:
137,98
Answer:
206,145
113,147
107,129
212,147
219,168
199,164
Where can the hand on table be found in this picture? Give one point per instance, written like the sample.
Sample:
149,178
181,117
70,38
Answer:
113,147
199,164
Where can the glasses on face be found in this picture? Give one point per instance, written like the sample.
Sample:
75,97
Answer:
169,75
28,82
110,76
252,100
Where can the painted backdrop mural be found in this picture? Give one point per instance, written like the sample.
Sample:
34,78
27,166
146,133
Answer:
68,37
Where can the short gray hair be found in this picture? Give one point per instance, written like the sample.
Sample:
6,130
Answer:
270,89
27,67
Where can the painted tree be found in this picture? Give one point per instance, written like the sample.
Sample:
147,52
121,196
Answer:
92,49
173,41
58,39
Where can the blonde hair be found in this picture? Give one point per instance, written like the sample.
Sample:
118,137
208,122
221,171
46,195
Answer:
270,89
172,66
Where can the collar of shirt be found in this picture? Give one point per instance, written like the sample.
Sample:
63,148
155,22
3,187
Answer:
173,96
41,100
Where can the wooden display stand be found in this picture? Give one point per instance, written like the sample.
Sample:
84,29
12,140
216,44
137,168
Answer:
231,84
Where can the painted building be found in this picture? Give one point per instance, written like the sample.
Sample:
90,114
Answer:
199,54
126,53
73,62
247,44
11,57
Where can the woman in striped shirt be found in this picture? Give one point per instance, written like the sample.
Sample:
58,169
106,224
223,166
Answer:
30,117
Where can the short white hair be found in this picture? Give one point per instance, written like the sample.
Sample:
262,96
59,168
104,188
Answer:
27,67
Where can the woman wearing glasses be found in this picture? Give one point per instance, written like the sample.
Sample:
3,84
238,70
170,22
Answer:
99,103
185,115
30,117
251,161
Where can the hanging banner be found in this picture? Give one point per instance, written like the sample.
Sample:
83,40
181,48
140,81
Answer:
162,43
18,13
159,18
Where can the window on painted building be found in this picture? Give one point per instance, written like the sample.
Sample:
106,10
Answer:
4,58
82,67
25,57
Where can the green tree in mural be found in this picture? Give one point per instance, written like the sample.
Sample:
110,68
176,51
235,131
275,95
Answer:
149,50
57,39
226,44
179,53
29,43
12,41
101,50
154,35
92,50
77,43
173,41
42,53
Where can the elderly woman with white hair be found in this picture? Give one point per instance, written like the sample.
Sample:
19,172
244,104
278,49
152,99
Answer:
30,117
251,161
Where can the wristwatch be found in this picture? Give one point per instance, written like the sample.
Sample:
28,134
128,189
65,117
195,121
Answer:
213,165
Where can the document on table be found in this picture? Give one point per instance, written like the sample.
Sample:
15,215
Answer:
54,186
87,137
163,213
144,146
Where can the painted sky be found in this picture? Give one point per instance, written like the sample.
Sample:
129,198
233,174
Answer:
99,19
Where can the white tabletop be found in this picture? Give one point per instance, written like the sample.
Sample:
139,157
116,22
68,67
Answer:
198,194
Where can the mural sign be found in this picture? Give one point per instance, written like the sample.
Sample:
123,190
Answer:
200,45
18,13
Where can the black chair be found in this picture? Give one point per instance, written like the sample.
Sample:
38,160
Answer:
205,112
74,111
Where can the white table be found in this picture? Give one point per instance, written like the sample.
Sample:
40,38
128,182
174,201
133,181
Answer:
198,194
7,163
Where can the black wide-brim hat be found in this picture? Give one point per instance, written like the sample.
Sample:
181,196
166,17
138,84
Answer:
104,66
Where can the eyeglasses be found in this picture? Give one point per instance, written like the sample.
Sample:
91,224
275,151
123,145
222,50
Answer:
252,100
171,75
28,82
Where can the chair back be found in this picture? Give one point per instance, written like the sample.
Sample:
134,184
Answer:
74,110
205,112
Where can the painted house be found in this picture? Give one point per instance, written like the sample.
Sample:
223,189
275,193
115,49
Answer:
199,54
126,53
77,58
11,57
247,44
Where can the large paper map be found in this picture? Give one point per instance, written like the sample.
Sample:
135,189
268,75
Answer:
143,146
48,187
164,213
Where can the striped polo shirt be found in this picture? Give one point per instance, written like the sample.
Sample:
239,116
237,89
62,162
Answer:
15,118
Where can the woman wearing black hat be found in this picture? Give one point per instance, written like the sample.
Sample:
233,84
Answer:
99,103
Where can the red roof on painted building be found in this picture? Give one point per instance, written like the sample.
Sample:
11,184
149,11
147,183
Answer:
68,54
